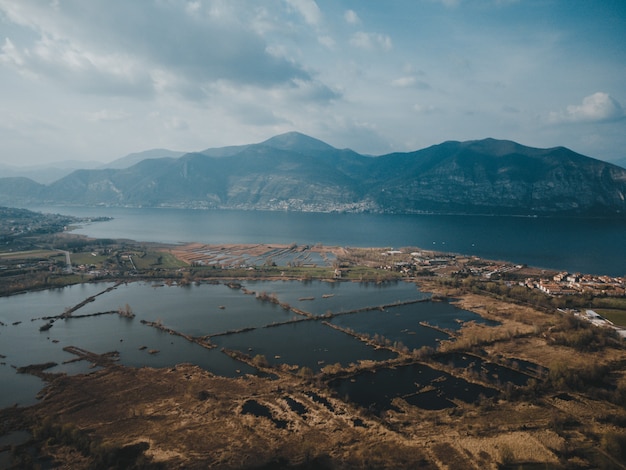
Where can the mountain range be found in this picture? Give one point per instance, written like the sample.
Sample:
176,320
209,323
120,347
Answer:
296,172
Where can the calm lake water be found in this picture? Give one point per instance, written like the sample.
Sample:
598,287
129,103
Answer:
209,309
596,246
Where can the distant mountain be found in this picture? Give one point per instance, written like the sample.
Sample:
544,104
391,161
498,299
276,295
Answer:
47,173
293,141
134,158
297,142
18,190
296,172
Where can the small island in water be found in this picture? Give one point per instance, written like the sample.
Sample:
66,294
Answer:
293,356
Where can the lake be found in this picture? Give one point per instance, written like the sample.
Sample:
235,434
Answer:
587,245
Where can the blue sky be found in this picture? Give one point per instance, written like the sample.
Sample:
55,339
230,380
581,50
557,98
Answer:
98,79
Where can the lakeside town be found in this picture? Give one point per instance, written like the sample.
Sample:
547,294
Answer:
547,281
553,284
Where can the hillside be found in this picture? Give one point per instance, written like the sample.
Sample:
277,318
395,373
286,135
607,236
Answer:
494,176
296,172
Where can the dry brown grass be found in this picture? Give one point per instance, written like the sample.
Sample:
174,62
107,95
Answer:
193,419
510,447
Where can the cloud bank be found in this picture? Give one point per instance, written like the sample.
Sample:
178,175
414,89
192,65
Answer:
104,78
598,107
143,48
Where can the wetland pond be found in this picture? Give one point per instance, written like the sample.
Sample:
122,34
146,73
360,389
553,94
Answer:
417,384
231,316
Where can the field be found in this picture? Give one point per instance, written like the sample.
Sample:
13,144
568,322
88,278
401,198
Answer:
618,317
30,254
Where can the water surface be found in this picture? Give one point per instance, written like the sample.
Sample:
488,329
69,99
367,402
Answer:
402,323
309,343
320,297
417,384
588,245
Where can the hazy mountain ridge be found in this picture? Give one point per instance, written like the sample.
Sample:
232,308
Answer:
296,172
134,158
54,171
46,174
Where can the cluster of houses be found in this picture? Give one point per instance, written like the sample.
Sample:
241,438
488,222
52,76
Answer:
565,283
443,263
406,263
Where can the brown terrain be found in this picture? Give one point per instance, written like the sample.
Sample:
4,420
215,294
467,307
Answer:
573,416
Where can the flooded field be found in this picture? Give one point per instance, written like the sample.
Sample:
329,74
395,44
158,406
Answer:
308,344
305,324
416,384
235,256
319,298
489,371
409,324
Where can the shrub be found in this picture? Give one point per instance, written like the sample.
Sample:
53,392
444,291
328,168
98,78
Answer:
305,372
507,456
260,361
583,379
614,444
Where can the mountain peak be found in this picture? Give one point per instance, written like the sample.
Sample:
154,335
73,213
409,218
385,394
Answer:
497,147
297,142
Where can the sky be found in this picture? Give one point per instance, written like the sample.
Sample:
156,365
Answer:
96,80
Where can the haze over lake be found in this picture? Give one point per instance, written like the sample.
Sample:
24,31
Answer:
587,245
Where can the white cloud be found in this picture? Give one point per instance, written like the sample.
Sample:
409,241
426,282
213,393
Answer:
449,3
176,123
425,109
308,9
351,17
119,53
371,41
410,81
235,71
326,41
599,107
456,3
403,82
108,115
10,55
85,70
193,7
